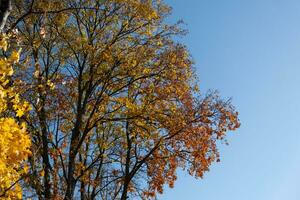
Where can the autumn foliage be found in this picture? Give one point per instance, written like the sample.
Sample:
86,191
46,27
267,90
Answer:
116,108
14,140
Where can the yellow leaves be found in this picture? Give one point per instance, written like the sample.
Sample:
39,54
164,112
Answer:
36,74
21,109
42,173
130,108
14,141
146,71
5,68
159,43
147,11
6,65
142,9
51,85
107,55
14,149
61,19
3,42
121,75
15,56
133,62
26,169
20,113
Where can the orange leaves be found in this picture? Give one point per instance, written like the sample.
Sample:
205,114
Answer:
191,141
115,100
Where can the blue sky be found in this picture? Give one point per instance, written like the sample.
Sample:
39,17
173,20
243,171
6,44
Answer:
248,50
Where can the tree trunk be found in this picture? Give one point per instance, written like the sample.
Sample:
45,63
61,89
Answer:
127,177
5,8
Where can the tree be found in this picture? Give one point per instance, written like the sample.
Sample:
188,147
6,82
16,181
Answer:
5,8
14,140
115,101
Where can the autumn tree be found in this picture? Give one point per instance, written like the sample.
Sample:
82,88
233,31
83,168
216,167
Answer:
14,140
115,101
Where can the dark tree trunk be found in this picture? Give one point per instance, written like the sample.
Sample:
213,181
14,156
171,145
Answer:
127,177
5,8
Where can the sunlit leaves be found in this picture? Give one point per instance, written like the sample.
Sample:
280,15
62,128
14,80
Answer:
116,103
14,140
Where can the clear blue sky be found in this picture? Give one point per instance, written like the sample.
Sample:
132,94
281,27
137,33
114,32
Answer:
248,50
